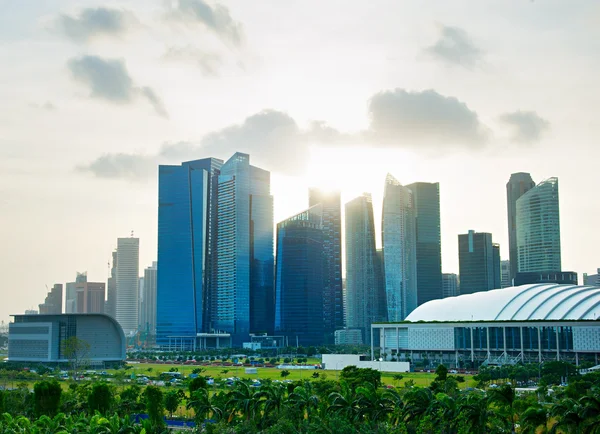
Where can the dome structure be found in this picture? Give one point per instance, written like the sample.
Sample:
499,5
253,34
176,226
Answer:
518,303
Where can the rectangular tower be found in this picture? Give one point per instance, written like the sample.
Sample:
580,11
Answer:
476,262
518,184
128,268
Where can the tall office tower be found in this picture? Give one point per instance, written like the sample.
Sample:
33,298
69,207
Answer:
53,302
505,280
518,184
187,212
333,297
592,279
365,293
142,313
426,198
301,278
476,262
399,250
148,324
244,301
111,288
538,228
71,292
497,267
90,297
450,282
128,268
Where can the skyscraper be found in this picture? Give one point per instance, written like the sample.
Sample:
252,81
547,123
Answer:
71,292
365,294
518,184
187,214
301,277
538,228
450,282
497,265
426,198
399,250
111,296
333,297
53,302
476,262
149,303
244,298
128,268
505,280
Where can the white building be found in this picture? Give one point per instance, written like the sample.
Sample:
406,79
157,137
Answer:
337,362
128,268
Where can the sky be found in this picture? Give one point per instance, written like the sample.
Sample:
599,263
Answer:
335,94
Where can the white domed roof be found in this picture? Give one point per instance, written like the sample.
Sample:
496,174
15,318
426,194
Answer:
527,302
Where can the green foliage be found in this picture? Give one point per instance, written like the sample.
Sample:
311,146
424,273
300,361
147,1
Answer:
101,398
1,401
153,398
197,383
355,377
172,401
47,397
284,373
441,373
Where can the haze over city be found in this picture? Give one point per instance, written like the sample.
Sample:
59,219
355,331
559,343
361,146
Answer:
329,94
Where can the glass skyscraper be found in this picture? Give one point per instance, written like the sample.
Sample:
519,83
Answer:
479,262
333,296
518,184
429,246
538,228
365,294
186,237
128,270
399,250
301,277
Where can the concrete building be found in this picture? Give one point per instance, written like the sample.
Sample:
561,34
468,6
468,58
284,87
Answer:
71,292
451,285
39,338
128,268
337,362
53,302
518,184
479,262
592,279
529,323
148,306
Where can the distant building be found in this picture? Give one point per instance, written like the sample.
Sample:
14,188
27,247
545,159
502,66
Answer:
535,277
148,324
592,279
128,266
429,246
71,292
53,302
31,312
450,282
90,297
518,184
505,275
497,266
538,228
365,292
479,262
111,296
348,337
39,338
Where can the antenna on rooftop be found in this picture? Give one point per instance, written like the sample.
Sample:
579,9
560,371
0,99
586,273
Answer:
132,233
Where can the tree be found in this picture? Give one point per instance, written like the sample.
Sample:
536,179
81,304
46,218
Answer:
172,401
76,351
285,373
154,406
1,401
504,397
197,383
101,398
47,397
202,404
356,377
441,373
532,419
398,378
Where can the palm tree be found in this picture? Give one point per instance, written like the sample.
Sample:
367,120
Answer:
304,399
274,398
203,406
532,419
504,397
242,400
371,405
417,402
343,403
590,412
397,403
567,413
475,413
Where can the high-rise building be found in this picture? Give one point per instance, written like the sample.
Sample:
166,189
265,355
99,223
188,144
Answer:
301,277
592,279
426,198
244,301
497,266
90,297
518,184
538,228
71,292
505,279
187,225
128,268
399,250
451,286
333,296
148,324
477,262
365,294
53,302
111,288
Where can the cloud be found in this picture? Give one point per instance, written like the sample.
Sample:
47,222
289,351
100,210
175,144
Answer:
527,126
108,79
216,18
454,47
209,63
48,106
127,166
95,22
423,120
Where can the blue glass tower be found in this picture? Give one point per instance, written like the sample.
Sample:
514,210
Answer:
186,245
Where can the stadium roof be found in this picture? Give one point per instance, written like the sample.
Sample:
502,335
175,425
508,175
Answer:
518,303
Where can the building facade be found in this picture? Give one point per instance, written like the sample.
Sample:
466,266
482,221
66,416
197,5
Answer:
111,288
71,292
592,279
365,294
518,184
128,268
399,250
53,302
505,275
477,262
301,278
451,285
429,247
333,296
538,228
148,323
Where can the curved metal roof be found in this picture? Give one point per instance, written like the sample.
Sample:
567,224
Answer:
527,302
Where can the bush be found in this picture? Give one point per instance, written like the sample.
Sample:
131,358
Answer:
100,398
46,395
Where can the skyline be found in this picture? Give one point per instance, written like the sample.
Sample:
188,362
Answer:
65,145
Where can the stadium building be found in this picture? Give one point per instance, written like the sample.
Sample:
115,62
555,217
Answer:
529,324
